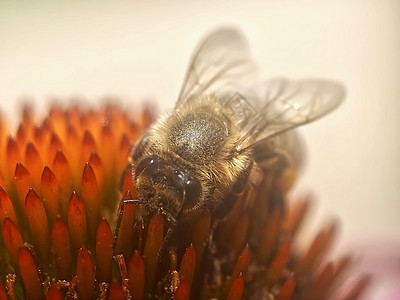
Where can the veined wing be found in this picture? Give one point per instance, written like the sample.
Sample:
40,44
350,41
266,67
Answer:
289,104
220,65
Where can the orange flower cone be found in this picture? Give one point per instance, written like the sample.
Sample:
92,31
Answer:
61,184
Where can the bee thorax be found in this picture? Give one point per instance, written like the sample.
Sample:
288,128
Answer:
197,137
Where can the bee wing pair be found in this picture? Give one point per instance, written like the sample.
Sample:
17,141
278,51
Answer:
222,65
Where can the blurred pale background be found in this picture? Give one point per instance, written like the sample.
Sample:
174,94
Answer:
136,51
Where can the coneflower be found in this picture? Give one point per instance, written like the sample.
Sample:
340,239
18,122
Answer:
62,181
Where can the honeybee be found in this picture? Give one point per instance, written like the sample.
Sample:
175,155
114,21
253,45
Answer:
220,129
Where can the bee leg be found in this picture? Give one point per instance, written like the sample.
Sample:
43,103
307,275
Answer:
120,215
209,241
167,236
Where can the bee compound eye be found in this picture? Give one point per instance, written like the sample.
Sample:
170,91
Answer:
193,191
151,164
190,185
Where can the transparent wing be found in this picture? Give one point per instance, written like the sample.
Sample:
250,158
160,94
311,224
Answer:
289,104
220,65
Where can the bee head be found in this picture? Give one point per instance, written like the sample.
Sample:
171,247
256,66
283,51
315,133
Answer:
163,186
